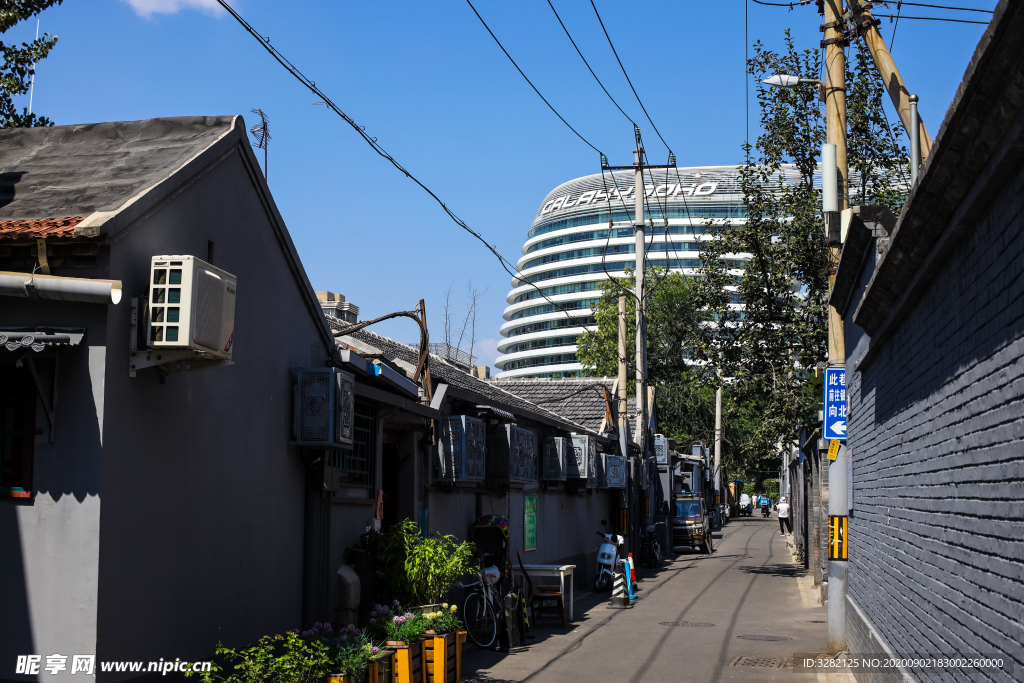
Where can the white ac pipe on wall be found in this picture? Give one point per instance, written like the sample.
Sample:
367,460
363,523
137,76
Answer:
53,288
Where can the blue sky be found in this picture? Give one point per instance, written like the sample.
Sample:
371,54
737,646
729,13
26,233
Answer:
431,85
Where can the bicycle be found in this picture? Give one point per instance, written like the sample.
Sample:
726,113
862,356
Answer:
479,610
650,549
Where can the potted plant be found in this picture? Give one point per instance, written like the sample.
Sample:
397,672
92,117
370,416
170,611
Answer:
414,569
442,650
402,631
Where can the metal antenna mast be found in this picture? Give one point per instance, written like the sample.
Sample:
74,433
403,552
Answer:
261,132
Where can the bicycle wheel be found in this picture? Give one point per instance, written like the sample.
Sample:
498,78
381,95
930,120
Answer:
481,622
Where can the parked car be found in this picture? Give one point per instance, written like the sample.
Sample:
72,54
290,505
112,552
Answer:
746,505
691,524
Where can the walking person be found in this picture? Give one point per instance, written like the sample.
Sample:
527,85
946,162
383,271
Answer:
784,523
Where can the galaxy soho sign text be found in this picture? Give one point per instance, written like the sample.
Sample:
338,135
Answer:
672,190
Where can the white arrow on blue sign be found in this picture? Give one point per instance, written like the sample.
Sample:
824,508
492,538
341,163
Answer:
835,403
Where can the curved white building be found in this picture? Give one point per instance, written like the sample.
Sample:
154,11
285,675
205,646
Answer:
568,249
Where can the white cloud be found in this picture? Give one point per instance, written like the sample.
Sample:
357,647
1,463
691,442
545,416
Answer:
486,351
147,8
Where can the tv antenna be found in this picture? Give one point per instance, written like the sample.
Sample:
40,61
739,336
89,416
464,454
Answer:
261,133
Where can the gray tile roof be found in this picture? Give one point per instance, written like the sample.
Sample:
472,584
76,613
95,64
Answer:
83,169
580,399
441,371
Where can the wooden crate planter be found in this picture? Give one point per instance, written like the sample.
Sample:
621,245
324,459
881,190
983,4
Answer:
441,658
460,639
382,668
408,662
343,678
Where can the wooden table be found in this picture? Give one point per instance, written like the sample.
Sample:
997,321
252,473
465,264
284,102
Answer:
559,570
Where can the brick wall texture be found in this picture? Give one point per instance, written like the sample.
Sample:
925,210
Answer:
937,432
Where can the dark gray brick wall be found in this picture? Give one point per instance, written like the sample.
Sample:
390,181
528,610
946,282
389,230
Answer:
937,433
861,640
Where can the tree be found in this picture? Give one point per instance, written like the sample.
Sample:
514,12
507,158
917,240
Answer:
20,62
771,318
467,334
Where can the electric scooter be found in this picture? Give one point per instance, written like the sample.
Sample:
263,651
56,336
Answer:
607,558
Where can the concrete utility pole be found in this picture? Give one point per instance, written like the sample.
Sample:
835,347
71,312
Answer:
835,120
894,84
718,446
639,225
641,320
623,381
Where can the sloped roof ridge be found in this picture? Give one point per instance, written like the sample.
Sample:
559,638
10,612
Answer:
451,374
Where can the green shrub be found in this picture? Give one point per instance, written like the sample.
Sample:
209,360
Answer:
412,569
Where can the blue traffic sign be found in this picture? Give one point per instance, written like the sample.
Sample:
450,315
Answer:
835,403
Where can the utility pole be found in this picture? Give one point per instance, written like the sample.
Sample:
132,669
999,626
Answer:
835,121
641,318
894,84
623,380
718,450
639,225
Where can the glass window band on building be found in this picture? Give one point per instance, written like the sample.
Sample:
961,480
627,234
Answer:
357,463
691,210
683,207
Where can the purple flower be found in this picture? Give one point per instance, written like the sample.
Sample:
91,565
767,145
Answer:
374,650
397,604
373,621
318,625
408,615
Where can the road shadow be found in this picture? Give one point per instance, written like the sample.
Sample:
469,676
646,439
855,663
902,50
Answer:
484,678
784,570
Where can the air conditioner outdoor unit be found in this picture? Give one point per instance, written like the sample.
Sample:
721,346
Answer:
461,449
191,306
324,408
511,455
613,472
557,452
661,449
584,464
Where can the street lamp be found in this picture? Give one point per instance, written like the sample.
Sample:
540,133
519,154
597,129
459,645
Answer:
792,82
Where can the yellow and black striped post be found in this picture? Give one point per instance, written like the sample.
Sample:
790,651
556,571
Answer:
837,543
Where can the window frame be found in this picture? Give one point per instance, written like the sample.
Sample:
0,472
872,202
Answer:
368,414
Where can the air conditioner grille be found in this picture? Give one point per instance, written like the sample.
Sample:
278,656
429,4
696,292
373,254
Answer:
209,308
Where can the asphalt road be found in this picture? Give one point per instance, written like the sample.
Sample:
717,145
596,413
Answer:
736,615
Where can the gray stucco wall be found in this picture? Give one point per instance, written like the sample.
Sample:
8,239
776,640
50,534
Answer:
566,523
202,524
48,570
937,535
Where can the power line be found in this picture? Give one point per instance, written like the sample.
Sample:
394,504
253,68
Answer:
799,3
527,79
955,21
626,75
311,85
790,5
885,3
899,10
588,65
